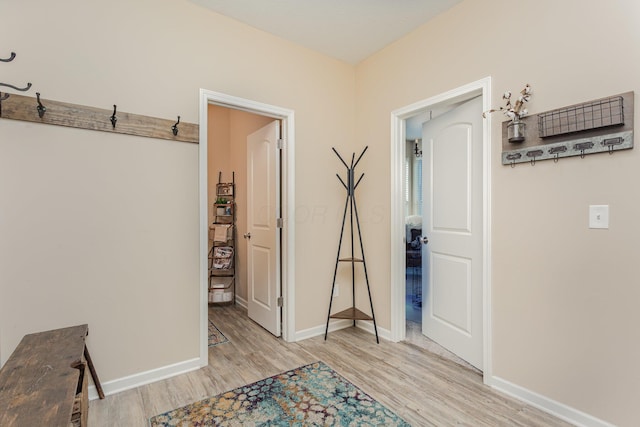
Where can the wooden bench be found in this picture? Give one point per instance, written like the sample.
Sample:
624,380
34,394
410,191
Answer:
44,382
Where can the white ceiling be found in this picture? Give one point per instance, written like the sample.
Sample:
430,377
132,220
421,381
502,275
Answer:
349,30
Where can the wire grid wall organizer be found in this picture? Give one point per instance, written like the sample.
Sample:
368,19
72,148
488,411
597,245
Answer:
602,125
590,115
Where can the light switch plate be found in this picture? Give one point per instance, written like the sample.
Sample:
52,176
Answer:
599,216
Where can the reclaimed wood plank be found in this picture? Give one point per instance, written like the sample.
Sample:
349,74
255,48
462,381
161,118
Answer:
19,107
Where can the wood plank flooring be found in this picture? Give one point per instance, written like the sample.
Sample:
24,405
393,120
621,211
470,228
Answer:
424,388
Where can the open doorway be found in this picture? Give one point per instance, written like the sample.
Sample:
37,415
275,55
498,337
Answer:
210,103
436,265
228,129
413,220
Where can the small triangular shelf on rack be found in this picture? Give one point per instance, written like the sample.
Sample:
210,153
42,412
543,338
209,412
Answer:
351,313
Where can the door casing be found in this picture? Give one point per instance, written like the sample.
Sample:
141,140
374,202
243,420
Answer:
287,195
397,156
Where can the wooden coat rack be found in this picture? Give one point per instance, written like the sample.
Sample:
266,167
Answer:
18,107
25,108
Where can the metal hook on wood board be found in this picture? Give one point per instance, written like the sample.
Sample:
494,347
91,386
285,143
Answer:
513,157
557,151
610,143
533,154
582,147
4,96
41,108
174,128
113,118
9,59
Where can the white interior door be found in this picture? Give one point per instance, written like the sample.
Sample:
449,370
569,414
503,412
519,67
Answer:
452,221
263,235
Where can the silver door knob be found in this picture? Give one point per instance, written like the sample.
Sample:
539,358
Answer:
424,240
247,235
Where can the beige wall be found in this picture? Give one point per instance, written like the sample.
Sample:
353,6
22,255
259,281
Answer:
227,144
103,229
564,297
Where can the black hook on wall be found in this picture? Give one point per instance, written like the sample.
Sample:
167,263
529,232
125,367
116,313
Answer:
41,108
21,89
114,119
174,128
9,59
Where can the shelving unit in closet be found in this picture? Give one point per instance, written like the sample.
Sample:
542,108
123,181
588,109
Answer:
222,244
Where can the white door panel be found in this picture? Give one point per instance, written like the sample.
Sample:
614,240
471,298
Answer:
263,244
452,260
452,180
451,290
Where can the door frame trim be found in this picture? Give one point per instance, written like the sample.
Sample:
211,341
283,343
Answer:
287,201
398,152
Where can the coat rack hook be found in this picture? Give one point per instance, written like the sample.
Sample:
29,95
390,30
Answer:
9,59
41,108
21,89
4,96
114,119
174,128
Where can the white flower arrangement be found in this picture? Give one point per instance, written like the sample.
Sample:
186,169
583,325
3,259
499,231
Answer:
517,111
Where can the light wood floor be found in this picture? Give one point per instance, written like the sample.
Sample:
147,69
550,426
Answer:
424,388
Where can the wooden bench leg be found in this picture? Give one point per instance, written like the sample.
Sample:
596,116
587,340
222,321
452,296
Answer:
94,374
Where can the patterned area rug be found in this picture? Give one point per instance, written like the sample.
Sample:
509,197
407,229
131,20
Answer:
215,336
311,395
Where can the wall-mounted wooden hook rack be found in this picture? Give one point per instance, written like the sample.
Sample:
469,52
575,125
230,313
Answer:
18,107
598,126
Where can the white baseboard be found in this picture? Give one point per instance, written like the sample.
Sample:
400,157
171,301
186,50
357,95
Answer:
241,302
136,380
336,325
560,410
368,326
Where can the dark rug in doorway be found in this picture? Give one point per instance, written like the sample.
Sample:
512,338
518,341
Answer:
311,395
215,336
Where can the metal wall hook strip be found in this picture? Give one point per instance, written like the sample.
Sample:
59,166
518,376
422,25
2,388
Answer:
9,59
41,108
21,89
113,118
174,128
